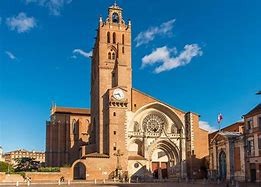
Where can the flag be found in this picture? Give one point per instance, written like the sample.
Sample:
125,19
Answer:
219,118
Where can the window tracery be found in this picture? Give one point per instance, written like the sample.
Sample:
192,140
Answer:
153,123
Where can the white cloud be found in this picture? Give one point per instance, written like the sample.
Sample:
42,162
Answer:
81,52
21,23
10,55
149,35
54,6
166,56
206,126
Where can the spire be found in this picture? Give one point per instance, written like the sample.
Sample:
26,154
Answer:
115,3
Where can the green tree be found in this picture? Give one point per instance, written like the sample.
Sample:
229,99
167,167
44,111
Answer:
5,167
26,164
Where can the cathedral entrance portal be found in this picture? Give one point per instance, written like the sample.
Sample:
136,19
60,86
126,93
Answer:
79,171
164,159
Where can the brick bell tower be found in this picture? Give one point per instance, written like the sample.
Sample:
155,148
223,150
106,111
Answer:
111,83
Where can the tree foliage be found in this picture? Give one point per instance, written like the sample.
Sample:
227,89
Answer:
26,164
5,167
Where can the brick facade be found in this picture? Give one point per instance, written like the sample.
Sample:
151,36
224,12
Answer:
126,132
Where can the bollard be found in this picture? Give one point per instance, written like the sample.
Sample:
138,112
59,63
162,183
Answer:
114,179
95,181
103,181
69,182
28,183
129,180
237,184
59,182
17,183
137,179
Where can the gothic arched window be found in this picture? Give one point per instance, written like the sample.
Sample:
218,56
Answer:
114,38
108,37
113,56
136,127
122,39
73,127
109,55
174,129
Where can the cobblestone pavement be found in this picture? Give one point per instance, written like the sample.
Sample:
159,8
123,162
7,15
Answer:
166,184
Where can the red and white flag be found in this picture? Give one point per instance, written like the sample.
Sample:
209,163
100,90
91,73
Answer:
219,118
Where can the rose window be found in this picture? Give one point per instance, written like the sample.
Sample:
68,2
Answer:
153,123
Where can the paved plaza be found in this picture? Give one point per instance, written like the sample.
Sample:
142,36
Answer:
165,184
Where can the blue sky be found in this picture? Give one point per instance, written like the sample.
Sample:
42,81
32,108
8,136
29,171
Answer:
202,56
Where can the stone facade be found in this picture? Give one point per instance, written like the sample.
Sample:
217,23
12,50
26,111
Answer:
227,153
253,144
126,132
2,159
10,156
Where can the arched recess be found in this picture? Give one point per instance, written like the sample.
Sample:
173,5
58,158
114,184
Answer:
114,38
112,53
108,37
170,148
163,109
164,157
222,165
79,171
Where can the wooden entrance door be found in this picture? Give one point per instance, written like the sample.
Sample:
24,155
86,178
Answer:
164,170
155,170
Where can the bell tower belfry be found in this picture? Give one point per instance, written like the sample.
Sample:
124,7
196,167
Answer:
111,82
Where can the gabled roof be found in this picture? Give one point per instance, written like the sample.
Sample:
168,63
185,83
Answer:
161,101
82,111
254,111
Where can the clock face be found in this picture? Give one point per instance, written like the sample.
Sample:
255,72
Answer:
118,94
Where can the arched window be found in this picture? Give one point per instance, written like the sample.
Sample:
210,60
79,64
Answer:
109,55
122,39
108,37
73,129
113,56
136,127
114,38
174,129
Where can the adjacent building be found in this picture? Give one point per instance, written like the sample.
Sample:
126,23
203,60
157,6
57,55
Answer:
22,153
227,153
2,159
235,151
253,144
125,132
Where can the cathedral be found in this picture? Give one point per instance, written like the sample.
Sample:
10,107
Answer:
125,133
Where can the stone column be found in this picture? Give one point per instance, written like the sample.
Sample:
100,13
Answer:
231,158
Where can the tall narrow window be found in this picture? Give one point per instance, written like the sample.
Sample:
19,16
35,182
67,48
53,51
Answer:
113,56
259,122
114,38
108,37
122,49
123,39
109,55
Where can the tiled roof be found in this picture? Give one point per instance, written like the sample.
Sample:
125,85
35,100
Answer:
56,109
